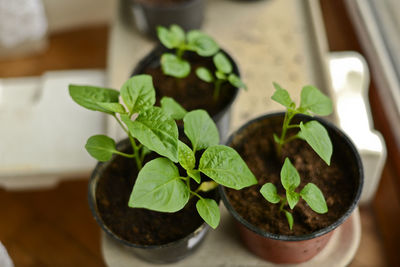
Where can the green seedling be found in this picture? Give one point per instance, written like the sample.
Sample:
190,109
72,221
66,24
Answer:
175,38
159,185
314,133
223,73
290,180
152,129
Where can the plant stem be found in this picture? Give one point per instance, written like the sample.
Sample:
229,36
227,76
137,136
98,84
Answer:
121,124
288,117
136,152
291,138
179,52
195,194
217,88
283,203
124,154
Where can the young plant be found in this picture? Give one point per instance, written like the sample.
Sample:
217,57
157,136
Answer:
175,38
159,185
223,73
290,180
152,129
314,133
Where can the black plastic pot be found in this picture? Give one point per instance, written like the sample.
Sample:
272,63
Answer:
223,117
294,249
166,253
188,14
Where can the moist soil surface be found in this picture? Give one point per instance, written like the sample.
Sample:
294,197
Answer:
259,152
140,226
191,92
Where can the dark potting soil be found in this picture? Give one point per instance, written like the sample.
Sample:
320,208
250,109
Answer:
335,181
140,226
191,92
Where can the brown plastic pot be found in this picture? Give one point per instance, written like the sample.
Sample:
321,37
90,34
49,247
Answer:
295,249
165,253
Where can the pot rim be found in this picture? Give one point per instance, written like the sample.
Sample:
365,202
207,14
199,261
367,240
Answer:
95,176
159,48
173,6
322,231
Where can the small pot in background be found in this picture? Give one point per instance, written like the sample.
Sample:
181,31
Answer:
148,14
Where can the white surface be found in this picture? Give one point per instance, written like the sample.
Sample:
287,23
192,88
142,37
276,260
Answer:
20,21
23,27
350,76
43,132
5,260
222,247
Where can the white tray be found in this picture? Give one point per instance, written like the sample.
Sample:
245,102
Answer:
222,247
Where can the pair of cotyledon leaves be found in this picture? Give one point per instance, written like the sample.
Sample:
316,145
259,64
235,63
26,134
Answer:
159,185
313,132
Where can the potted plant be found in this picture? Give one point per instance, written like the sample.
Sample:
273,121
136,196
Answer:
148,14
309,176
174,183
183,68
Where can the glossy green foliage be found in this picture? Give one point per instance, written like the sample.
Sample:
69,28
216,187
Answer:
314,133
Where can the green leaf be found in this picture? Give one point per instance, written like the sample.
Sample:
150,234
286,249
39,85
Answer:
208,210
318,138
171,38
200,129
314,100
314,198
174,66
292,198
289,218
155,130
282,96
276,139
195,174
172,108
138,93
89,97
236,81
207,186
268,191
186,156
220,75
222,63
178,33
101,147
202,44
204,74
158,187
225,166
113,107
290,178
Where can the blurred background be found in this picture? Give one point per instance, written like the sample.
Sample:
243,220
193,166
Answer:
349,48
